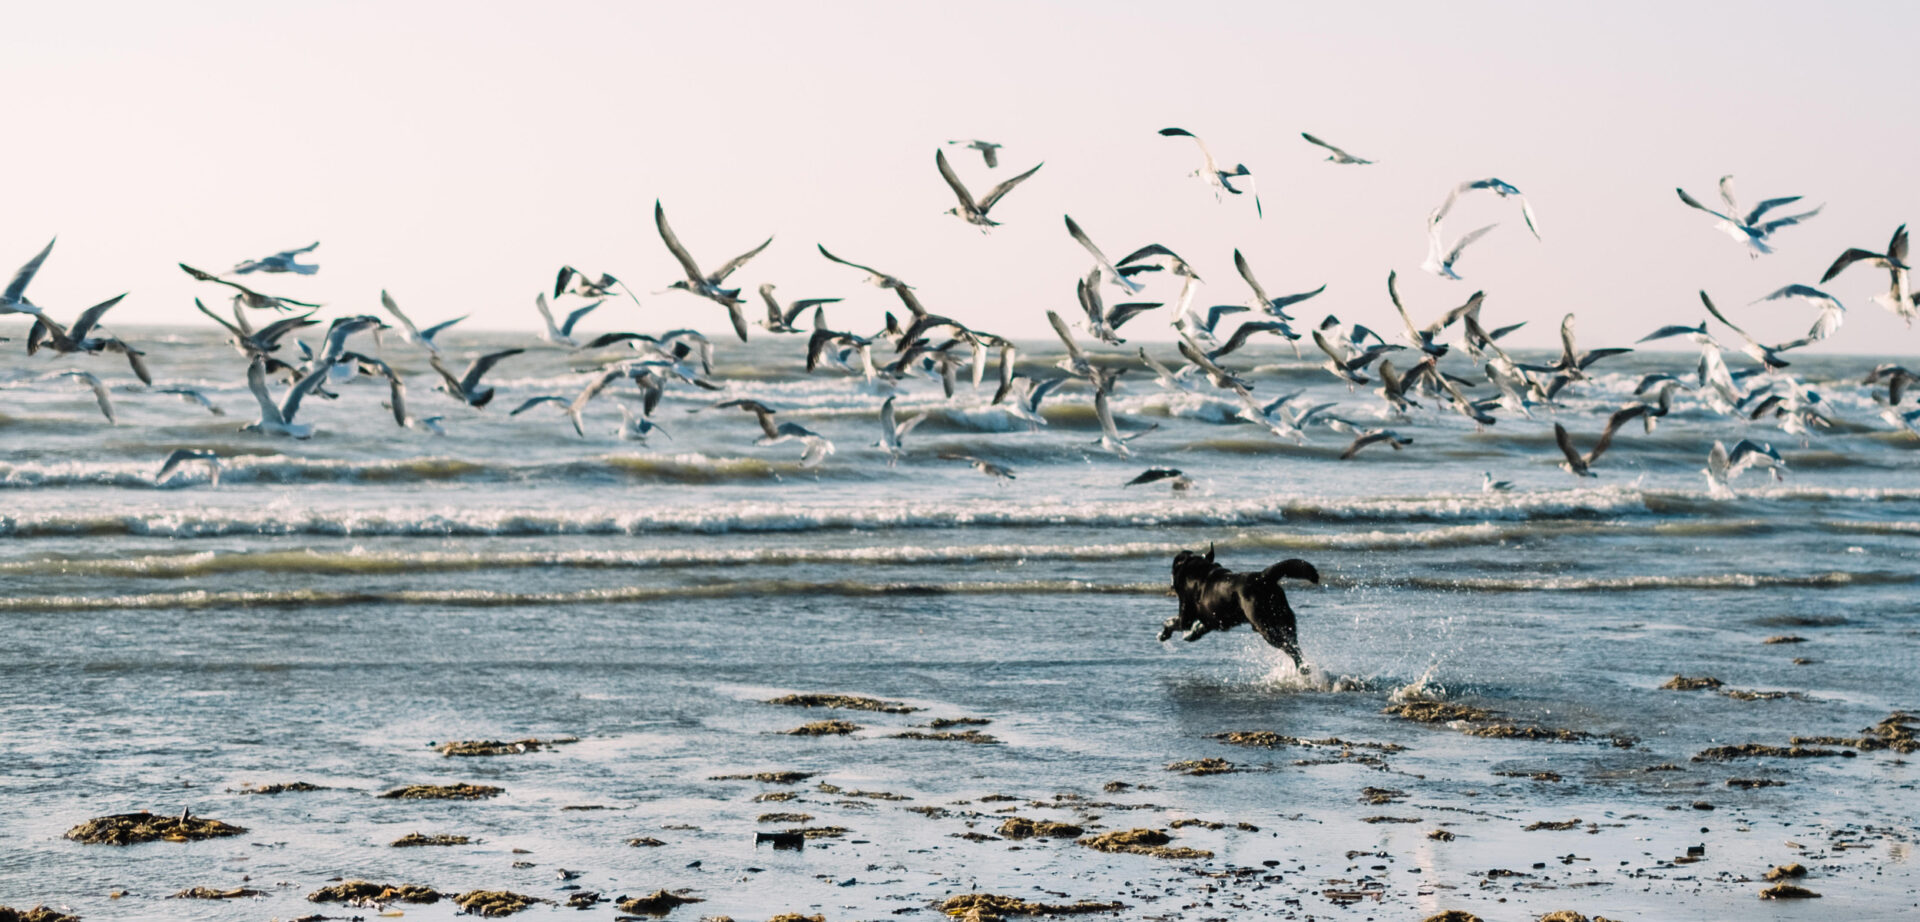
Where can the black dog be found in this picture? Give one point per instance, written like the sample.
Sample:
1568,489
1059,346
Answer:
1214,598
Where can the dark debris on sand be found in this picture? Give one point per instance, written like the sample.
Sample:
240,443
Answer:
1785,871
209,893
135,828
645,842
825,728
500,747
417,840
1692,683
1019,827
289,787
1150,842
1788,892
1895,732
362,891
961,736
766,777
657,903
461,791
1751,783
1270,740
1484,723
1763,751
942,723
36,914
987,907
784,818
494,902
845,702
1553,825
1207,766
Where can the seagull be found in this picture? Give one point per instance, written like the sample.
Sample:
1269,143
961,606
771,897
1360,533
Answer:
1897,298
1075,363
1832,312
1245,331
988,150
780,319
1440,260
282,261
562,335
182,456
1580,465
875,277
980,464
246,296
1276,307
1205,328
1766,355
1724,466
1179,481
707,286
1220,180
1027,394
1696,333
635,427
969,210
1573,363
1490,485
893,431
1423,339
1392,439
396,387
278,419
1504,189
261,343
1335,154
1101,260
817,447
191,396
1101,322
1110,438
1748,229
1898,379
14,299
579,283
417,336
466,388
99,390
80,338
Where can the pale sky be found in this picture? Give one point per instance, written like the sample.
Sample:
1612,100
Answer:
457,153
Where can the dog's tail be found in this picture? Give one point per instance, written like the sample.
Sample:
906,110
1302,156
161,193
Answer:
1292,568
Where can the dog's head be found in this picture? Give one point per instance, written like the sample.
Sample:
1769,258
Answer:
1189,566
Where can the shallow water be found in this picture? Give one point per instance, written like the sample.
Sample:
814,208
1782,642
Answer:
337,606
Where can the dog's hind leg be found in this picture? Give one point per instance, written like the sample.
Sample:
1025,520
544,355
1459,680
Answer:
1198,630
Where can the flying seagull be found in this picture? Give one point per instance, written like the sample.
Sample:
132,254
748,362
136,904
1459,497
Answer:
1581,465
247,296
14,299
466,388
182,456
969,210
283,261
562,335
1749,229
1335,154
1220,180
1101,259
1897,297
988,150
415,335
1179,480
1504,189
707,285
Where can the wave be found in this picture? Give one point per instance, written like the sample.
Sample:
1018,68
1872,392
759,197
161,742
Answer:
1827,580
691,467
296,598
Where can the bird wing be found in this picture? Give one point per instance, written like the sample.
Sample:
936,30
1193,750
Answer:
386,301
1121,313
1851,256
100,395
90,318
867,269
1335,150
986,204
953,182
257,383
1695,203
1569,355
1204,152
720,275
1526,212
1721,317
17,288
1393,292
1753,217
1565,442
1099,257
546,314
1727,196
1465,239
301,388
1619,418
673,244
1897,246
1246,272
566,329
482,365
1066,337
429,333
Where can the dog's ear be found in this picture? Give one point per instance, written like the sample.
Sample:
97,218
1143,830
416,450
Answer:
1209,552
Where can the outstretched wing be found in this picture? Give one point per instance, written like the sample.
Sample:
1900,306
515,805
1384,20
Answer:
673,244
986,204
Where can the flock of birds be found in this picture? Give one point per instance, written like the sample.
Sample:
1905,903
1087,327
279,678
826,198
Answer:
923,343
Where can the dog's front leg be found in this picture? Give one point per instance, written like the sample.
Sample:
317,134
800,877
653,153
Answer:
1200,629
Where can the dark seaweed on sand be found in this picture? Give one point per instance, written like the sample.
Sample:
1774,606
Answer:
368,891
444,792
847,702
135,828
657,903
494,902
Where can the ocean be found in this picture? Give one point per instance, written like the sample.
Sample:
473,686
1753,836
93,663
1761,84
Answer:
335,609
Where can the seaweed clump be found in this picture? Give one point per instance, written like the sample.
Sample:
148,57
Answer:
361,891
1452,915
1692,683
1788,892
416,840
36,914
494,902
1763,751
209,893
499,747
135,828
1784,871
766,777
462,791
1484,723
1895,733
657,903
942,723
1151,842
1552,825
845,702
288,787
825,728
1207,766
987,907
960,736
1019,827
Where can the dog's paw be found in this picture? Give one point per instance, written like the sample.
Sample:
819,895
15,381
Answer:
1166,632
